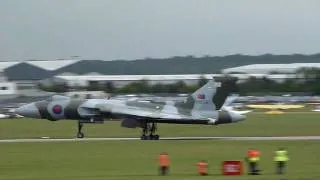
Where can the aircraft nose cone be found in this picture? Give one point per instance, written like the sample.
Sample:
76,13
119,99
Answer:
28,110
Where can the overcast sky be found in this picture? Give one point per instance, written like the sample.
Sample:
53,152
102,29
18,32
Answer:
129,29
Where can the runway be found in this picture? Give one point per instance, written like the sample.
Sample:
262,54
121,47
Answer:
224,138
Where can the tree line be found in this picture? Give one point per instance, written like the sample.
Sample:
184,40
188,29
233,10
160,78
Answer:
172,65
306,80
141,86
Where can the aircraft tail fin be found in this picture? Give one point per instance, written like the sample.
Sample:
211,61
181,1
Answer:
227,86
202,98
211,96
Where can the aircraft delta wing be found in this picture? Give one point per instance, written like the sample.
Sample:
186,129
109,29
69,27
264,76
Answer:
201,107
227,105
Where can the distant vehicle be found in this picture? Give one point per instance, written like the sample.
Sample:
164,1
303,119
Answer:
275,106
202,107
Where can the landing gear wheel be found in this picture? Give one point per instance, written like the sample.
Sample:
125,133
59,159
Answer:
80,135
151,129
143,137
151,137
156,137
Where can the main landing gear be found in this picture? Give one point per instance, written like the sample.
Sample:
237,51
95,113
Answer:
151,129
80,134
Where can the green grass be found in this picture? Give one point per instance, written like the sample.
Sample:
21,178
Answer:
257,124
138,159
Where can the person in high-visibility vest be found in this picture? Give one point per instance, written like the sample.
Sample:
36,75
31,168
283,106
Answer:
253,157
202,168
281,157
164,163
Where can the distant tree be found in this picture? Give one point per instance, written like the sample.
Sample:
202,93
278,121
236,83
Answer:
311,78
94,86
159,88
141,86
59,88
202,81
109,87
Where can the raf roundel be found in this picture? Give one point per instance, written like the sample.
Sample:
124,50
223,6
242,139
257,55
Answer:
57,109
201,96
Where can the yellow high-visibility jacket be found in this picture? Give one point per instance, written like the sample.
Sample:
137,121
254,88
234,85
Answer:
281,155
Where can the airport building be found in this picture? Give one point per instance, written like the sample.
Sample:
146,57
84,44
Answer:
22,77
270,68
7,89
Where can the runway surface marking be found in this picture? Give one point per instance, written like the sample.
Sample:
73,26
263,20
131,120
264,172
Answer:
262,138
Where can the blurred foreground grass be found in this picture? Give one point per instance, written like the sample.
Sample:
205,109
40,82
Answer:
138,159
257,124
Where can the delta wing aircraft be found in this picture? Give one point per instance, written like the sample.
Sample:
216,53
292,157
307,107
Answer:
201,107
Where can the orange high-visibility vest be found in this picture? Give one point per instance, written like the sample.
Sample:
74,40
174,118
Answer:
202,167
253,155
164,160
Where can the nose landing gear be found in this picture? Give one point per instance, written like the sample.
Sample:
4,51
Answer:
92,120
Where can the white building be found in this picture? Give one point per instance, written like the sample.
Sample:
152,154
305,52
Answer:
12,89
7,89
270,68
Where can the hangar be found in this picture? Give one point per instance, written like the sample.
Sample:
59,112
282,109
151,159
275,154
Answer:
290,68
